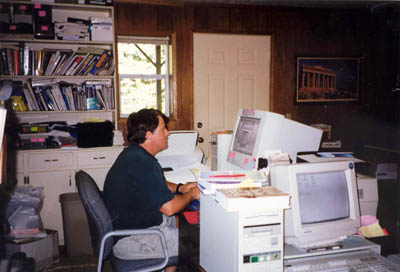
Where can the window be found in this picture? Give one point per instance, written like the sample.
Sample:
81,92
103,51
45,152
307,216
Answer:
144,74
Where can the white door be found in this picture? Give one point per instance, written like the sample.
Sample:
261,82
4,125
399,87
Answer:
230,72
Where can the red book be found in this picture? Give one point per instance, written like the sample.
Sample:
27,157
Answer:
16,67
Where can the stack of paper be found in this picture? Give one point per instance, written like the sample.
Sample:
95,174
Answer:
71,31
240,199
210,181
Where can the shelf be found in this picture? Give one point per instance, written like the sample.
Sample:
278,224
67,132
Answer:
55,52
57,77
28,38
63,5
62,112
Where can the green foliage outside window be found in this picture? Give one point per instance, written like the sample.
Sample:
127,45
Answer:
143,74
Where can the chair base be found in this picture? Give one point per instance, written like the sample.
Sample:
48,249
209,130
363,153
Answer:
121,265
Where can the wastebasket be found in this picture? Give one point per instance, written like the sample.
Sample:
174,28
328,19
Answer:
75,226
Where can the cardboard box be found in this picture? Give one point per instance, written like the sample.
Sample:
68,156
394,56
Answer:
386,171
41,250
102,32
54,240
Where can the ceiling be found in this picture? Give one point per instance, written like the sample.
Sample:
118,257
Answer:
328,4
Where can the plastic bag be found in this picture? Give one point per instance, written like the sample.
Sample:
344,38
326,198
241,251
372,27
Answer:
23,212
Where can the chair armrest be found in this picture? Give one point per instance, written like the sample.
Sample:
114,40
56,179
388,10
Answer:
136,232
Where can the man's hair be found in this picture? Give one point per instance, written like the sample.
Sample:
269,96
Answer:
142,121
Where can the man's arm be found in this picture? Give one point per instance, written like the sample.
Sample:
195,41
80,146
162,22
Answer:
179,202
184,188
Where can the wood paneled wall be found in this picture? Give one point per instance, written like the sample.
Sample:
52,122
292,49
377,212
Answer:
295,32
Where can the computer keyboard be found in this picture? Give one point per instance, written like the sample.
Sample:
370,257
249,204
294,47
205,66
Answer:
357,261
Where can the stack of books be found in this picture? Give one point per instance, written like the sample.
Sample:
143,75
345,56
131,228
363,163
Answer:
20,59
49,95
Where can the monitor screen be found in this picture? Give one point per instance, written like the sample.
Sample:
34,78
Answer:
324,201
255,131
246,135
323,197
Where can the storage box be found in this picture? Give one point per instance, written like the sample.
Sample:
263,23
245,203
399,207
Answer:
40,249
386,171
101,32
54,240
42,14
44,31
23,13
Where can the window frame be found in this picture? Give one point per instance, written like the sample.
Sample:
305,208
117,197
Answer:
162,41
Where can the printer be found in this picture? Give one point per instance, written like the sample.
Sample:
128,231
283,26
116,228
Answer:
182,151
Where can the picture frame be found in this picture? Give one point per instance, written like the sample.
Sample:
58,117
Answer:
327,80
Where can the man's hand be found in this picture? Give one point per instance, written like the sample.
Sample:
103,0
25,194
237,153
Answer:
189,192
195,192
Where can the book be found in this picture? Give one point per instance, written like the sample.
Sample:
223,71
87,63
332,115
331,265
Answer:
10,61
79,64
29,98
73,65
103,58
246,199
53,100
55,90
50,106
26,60
5,61
68,62
39,100
64,97
100,99
31,93
15,61
38,63
64,59
43,82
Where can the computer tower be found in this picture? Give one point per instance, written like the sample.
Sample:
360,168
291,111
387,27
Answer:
220,144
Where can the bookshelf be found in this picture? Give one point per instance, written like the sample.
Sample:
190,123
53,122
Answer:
42,59
55,168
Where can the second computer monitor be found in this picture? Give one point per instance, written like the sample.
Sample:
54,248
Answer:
255,131
324,201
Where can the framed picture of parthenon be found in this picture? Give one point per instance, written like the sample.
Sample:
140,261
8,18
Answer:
326,80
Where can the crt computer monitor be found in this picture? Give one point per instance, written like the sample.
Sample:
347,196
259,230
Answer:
254,132
324,201
257,132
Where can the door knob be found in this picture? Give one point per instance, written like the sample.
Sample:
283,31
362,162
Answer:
200,140
199,125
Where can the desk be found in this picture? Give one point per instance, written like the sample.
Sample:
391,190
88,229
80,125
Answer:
189,245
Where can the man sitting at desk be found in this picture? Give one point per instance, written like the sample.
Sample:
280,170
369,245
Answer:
137,194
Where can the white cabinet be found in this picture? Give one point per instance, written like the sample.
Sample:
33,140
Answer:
96,163
55,169
55,183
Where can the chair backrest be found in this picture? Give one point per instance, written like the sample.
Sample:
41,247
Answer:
97,214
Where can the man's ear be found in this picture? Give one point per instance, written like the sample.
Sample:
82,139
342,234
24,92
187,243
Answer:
148,135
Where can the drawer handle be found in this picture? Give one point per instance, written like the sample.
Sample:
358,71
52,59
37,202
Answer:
99,158
53,160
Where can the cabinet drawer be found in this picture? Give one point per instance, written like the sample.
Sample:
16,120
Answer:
51,161
94,158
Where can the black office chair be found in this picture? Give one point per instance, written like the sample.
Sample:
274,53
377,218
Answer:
102,233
